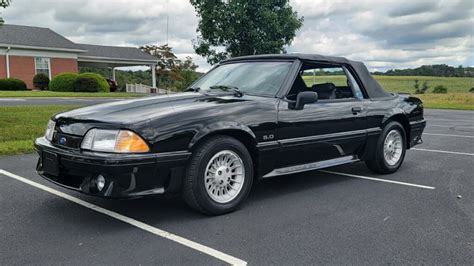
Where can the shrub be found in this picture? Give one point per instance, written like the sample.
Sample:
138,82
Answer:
63,82
440,89
86,84
41,81
471,89
103,84
416,86
12,85
423,89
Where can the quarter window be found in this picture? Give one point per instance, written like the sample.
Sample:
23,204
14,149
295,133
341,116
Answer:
354,85
42,65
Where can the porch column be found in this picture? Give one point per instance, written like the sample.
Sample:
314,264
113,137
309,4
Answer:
113,73
153,75
7,61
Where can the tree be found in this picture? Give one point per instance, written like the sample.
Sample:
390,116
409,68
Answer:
171,71
244,27
187,73
4,4
166,66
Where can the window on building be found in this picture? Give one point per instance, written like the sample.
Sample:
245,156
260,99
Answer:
42,66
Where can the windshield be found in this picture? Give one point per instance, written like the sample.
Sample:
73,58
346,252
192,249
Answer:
254,78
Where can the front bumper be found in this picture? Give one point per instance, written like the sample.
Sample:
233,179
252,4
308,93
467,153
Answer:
126,175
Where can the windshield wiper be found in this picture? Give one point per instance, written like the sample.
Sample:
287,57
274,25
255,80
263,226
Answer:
236,90
193,89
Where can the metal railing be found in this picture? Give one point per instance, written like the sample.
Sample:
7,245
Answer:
141,88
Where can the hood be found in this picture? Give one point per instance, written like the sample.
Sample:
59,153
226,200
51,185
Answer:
131,113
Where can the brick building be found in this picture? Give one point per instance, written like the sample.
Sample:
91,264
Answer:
26,51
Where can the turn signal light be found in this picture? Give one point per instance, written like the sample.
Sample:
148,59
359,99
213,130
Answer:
128,141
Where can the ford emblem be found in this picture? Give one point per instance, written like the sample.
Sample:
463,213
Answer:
62,140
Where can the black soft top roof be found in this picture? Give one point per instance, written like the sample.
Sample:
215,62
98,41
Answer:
373,88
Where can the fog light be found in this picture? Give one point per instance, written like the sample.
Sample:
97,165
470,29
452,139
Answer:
100,182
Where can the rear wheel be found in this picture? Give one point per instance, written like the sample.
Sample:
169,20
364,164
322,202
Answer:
390,149
219,176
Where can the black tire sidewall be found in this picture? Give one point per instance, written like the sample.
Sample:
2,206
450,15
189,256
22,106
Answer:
380,147
204,200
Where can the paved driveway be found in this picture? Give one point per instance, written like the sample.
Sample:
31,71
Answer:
423,214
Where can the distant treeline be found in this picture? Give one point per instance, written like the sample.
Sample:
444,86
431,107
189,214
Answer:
431,70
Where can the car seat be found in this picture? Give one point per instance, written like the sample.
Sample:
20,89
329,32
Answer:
325,91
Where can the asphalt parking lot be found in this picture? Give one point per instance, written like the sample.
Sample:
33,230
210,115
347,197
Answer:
423,214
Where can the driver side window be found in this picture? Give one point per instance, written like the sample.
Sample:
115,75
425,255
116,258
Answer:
331,82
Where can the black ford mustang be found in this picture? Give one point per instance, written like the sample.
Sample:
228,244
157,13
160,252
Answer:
248,118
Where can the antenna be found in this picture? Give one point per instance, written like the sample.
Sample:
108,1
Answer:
167,22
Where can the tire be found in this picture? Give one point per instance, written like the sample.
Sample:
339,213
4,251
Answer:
382,164
216,165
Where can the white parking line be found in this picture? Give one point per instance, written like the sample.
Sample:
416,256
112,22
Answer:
450,120
448,135
178,239
378,179
440,151
448,126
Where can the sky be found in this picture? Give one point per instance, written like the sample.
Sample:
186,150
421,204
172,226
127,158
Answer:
383,34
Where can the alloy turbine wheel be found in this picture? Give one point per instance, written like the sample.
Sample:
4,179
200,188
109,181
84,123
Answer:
224,176
393,147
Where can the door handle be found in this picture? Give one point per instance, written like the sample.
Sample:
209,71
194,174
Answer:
356,110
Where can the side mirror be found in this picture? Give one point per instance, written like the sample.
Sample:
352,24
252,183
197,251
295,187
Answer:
305,97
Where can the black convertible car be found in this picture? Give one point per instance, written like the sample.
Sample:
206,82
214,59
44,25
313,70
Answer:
248,118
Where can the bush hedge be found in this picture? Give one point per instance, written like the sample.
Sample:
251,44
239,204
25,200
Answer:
63,82
86,84
41,81
12,84
440,89
103,84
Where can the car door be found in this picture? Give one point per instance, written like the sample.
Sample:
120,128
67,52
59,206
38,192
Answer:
324,130
321,131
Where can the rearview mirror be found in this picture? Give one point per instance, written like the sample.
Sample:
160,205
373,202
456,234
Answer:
305,97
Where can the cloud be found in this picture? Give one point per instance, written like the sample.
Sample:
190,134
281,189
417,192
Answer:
384,34
388,34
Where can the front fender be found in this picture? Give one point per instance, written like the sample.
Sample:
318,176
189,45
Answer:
221,126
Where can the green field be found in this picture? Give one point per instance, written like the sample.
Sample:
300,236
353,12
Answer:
21,125
458,96
68,94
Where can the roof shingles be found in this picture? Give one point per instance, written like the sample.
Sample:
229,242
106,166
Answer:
114,52
27,36
35,37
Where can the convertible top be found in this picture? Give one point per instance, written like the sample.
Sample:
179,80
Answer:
373,88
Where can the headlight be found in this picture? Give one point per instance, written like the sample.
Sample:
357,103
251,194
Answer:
50,130
122,141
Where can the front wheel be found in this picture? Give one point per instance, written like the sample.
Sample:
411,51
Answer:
219,176
390,149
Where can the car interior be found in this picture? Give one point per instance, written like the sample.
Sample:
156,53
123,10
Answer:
329,81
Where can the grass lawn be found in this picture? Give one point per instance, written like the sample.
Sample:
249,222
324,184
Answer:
21,125
459,101
68,94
